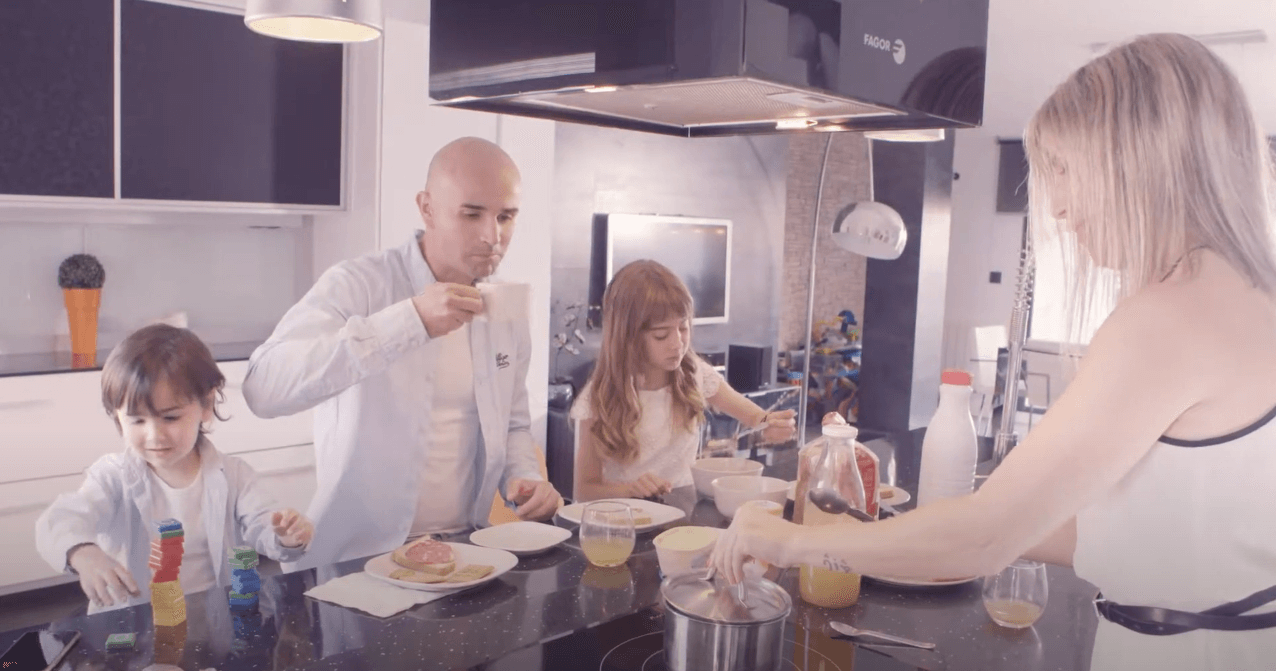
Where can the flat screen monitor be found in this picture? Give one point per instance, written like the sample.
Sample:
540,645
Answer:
696,249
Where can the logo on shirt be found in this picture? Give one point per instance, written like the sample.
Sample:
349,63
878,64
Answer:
502,361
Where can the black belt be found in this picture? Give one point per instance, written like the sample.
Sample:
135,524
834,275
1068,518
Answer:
1156,621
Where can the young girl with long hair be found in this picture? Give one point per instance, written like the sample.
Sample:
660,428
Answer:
638,417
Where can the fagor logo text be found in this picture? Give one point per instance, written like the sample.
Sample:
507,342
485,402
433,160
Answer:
896,48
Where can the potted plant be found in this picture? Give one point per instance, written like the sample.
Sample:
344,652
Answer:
81,277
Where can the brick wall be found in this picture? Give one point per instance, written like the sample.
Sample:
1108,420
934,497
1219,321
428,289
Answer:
839,279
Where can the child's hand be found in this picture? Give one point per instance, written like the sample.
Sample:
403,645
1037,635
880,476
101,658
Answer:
292,528
779,426
649,485
101,577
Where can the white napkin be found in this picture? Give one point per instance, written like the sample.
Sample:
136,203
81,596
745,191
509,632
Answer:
362,591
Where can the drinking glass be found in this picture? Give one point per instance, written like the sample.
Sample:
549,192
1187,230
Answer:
607,533
1016,597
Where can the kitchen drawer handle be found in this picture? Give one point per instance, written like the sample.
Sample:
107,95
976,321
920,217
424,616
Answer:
26,403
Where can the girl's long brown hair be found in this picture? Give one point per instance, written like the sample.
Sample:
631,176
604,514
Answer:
642,294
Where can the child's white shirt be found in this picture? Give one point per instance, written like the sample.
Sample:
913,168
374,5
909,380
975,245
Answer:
115,509
184,504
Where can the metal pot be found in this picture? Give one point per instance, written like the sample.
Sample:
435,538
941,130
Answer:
708,628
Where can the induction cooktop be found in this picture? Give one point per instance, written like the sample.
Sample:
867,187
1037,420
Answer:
636,643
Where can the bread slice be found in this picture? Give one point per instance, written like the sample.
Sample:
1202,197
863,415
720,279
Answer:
409,575
470,572
426,556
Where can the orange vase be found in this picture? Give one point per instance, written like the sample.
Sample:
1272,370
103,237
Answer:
81,314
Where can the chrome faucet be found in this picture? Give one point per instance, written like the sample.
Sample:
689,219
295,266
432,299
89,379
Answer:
1006,437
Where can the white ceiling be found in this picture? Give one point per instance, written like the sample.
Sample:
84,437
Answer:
1034,44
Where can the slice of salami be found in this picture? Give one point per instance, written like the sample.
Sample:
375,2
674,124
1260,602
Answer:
430,552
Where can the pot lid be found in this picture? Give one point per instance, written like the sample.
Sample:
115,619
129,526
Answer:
717,601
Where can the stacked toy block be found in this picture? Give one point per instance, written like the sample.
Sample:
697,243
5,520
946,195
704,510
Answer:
244,580
170,645
168,603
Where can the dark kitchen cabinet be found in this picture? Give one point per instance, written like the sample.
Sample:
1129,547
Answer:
211,111
57,98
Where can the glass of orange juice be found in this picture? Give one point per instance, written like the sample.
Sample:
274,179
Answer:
607,533
822,586
1016,597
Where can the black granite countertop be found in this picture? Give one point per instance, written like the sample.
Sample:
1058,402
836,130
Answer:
557,612
45,363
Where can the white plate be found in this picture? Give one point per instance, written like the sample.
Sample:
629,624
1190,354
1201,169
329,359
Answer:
521,538
660,513
912,582
382,566
897,496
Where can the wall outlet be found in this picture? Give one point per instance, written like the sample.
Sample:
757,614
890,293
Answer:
995,277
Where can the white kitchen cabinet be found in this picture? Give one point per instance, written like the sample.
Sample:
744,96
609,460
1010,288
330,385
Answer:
20,504
243,431
287,473
53,425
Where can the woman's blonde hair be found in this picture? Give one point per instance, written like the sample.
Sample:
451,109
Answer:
1160,155
641,295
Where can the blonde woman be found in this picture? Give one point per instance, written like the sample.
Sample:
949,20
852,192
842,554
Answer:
638,417
1154,474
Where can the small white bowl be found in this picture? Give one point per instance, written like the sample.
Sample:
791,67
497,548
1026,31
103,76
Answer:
704,471
729,491
684,549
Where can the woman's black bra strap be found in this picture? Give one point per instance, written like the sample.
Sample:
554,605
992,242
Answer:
1156,621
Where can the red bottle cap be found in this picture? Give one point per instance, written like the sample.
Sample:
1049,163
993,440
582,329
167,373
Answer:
955,376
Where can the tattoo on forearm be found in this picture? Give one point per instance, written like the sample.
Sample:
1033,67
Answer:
836,564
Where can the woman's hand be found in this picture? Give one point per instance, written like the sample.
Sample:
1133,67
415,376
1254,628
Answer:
101,577
779,426
292,528
648,485
753,534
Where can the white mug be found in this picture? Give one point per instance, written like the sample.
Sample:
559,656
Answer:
504,302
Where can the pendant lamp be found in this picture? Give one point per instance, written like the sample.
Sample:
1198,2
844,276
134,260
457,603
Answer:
316,20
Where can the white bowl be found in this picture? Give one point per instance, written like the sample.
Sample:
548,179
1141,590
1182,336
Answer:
684,549
704,471
729,491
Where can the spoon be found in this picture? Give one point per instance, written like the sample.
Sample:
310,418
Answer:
824,492
852,632
739,592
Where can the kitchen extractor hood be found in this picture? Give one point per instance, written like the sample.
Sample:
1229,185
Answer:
715,67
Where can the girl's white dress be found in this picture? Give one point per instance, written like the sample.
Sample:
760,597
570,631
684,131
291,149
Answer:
664,449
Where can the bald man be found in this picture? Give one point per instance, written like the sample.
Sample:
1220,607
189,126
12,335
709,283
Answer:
421,413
